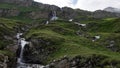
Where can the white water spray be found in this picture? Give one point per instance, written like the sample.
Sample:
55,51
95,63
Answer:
23,43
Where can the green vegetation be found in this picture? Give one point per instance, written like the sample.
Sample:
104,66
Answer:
106,25
20,8
23,10
7,32
73,44
61,36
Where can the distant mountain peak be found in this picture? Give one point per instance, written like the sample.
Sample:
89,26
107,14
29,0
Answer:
112,9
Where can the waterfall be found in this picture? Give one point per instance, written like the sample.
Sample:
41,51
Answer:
54,17
22,43
18,35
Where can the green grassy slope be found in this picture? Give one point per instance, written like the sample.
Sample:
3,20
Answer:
7,35
63,35
72,44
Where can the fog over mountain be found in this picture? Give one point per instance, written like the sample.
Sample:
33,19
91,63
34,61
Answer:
90,5
111,9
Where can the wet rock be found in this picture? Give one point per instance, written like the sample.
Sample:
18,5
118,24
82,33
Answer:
38,49
3,61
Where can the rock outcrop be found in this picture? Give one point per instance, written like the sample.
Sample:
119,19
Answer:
92,61
43,10
39,48
38,14
104,14
9,12
18,2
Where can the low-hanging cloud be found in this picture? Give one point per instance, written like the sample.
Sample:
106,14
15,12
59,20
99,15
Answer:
90,5
60,3
97,4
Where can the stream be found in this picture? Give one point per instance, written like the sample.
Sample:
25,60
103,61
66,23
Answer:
20,64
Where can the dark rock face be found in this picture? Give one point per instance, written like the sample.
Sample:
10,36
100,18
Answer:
38,49
38,14
44,12
45,9
18,2
64,13
3,61
67,13
93,61
45,6
63,63
8,12
104,14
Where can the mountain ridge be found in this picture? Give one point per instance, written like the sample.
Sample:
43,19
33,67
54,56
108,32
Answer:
77,39
112,9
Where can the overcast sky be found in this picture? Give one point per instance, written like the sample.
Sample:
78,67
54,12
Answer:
90,5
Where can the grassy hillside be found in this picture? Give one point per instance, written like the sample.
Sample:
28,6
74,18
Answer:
105,25
23,10
71,45
7,39
60,38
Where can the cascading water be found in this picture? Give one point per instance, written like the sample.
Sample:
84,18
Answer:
22,43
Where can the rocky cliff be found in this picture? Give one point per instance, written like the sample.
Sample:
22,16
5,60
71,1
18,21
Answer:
104,14
35,10
92,61
9,12
18,2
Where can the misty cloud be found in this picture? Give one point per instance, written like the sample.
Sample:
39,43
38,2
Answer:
84,4
97,4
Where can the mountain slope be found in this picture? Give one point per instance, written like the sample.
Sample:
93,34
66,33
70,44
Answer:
60,43
59,39
111,9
